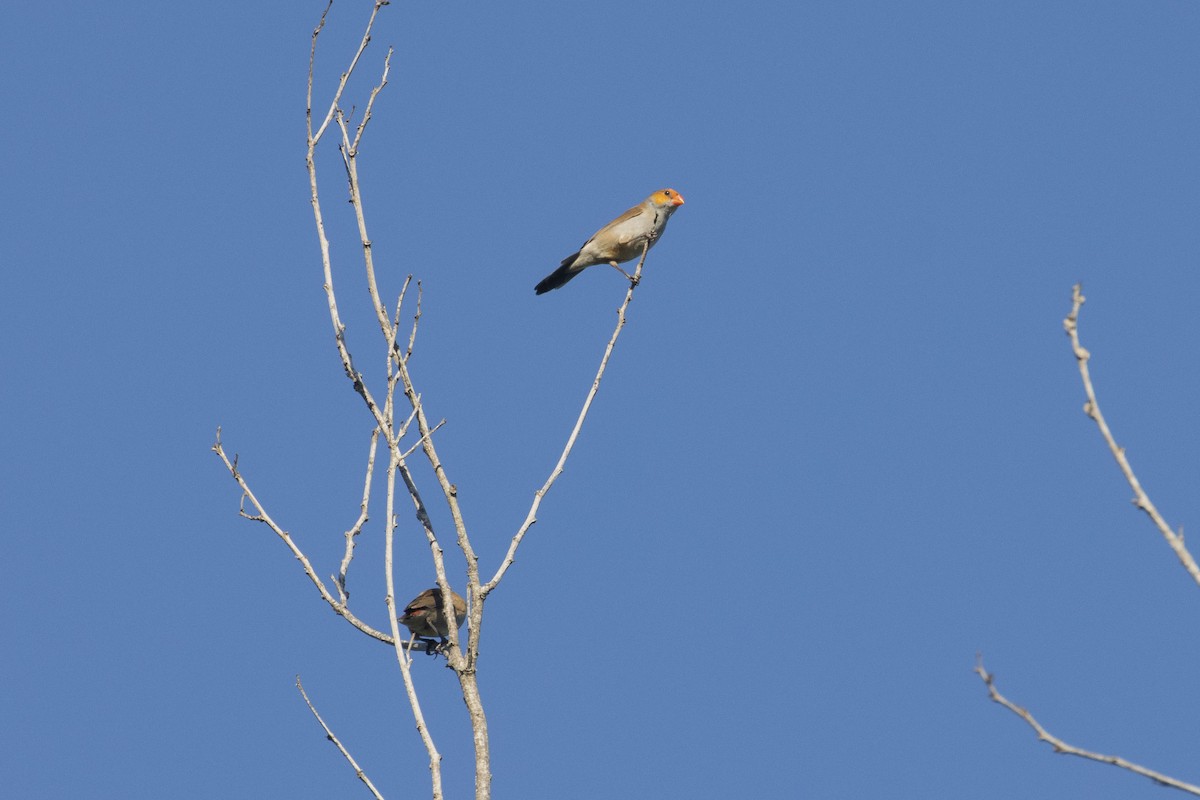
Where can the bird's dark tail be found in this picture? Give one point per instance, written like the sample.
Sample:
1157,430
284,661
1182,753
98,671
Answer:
559,277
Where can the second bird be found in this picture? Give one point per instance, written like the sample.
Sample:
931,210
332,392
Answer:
426,616
619,241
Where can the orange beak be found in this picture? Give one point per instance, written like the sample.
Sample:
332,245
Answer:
678,201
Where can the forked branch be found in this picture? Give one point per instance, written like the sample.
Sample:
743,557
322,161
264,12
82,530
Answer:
260,515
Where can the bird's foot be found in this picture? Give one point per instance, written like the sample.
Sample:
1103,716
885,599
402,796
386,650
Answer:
634,280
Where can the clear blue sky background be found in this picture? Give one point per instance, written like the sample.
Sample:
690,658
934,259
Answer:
844,389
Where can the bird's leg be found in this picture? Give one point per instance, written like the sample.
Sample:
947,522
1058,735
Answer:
633,280
431,647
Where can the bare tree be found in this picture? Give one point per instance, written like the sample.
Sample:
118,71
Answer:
402,424
1142,501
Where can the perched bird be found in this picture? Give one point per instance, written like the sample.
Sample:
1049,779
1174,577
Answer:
425,616
619,241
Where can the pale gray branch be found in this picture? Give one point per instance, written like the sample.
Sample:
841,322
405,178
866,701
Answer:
403,656
341,87
1066,749
262,516
412,336
421,441
1092,409
540,494
385,416
358,772
393,346
356,529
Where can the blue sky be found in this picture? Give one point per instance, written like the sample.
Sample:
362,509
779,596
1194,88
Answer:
844,385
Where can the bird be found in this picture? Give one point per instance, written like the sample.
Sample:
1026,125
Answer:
425,616
619,241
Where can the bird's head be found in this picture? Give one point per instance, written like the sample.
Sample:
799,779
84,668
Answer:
667,197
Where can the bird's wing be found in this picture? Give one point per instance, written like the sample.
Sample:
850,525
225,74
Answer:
632,213
422,602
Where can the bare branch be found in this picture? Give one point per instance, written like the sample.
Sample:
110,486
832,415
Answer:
412,337
356,529
449,490
392,345
362,776
463,666
313,138
1092,409
312,61
421,441
403,656
349,151
538,496
1062,747
387,68
334,112
384,416
261,515
389,330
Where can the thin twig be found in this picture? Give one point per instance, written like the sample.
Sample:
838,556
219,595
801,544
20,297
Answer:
395,323
421,441
341,87
363,516
362,776
387,68
540,494
1070,750
339,329
412,337
350,160
262,516
1092,409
